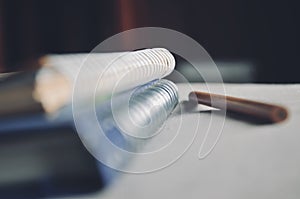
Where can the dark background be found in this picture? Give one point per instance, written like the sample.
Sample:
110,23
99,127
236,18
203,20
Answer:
263,32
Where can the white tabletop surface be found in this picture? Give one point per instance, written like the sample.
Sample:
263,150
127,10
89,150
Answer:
248,161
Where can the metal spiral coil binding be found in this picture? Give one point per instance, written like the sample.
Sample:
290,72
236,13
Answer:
129,126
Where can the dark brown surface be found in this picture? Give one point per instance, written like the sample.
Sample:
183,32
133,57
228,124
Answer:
266,113
263,33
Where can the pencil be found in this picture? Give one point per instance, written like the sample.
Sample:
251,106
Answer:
256,111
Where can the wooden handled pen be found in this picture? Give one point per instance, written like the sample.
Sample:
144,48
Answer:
256,111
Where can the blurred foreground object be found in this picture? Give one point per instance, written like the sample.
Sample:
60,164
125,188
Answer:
44,157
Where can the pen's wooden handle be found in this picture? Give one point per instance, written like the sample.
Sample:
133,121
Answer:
255,110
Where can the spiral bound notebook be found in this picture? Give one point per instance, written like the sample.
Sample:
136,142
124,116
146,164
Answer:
51,87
